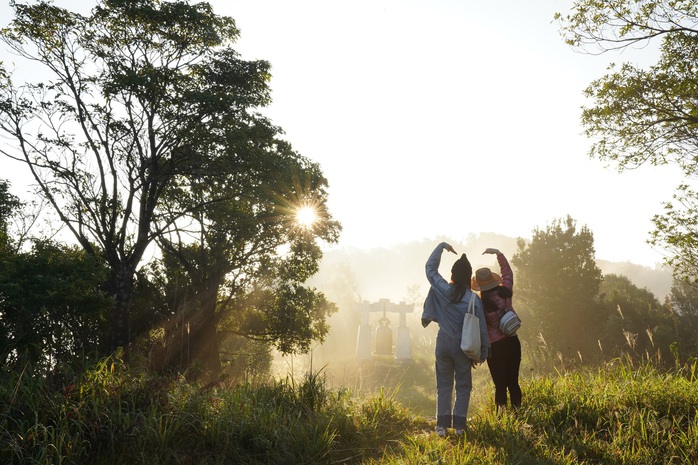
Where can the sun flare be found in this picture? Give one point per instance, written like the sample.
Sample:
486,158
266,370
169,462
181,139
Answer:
306,216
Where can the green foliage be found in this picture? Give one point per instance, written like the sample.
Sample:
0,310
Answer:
645,116
53,308
245,361
129,91
9,205
556,285
684,307
635,322
604,25
291,316
640,116
675,231
578,316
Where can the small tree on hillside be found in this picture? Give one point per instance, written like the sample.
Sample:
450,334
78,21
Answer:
557,282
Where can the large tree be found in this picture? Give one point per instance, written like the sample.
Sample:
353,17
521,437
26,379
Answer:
639,115
244,274
139,98
557,282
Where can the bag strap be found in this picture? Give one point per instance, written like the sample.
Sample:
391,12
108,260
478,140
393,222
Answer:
471,304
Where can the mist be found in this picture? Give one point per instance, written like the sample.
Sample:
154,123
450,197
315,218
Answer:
354,278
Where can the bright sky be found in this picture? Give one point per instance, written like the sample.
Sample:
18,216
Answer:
444,118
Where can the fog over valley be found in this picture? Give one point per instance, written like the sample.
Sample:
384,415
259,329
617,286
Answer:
353,278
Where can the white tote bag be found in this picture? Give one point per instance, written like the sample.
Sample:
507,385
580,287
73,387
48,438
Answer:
470,338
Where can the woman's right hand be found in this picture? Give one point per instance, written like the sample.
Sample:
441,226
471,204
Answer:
449,247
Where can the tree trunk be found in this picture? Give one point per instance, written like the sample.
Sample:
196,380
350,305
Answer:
123,284
205,346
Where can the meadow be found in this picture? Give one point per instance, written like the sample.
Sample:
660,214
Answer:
620,413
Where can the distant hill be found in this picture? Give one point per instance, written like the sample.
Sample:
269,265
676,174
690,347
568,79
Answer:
657,281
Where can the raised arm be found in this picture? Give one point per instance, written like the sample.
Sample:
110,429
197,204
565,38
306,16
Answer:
433,262
507,273
504,268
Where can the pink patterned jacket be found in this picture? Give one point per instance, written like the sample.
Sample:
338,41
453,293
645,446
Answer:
502,304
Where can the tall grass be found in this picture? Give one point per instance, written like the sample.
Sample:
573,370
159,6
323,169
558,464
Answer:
112,416
614,415
619,413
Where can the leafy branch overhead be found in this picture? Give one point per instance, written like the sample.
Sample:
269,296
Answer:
640,116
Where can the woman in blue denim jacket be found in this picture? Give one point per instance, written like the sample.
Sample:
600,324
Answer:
446,304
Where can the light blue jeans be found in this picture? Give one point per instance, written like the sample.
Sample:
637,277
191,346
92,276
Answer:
452,365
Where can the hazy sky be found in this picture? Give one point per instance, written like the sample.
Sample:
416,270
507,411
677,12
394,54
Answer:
444,117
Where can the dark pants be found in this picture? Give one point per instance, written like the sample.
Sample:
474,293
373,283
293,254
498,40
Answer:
504,362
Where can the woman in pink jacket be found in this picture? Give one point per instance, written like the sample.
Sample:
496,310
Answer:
505,353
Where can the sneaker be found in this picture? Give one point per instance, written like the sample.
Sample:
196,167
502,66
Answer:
441,431
460,432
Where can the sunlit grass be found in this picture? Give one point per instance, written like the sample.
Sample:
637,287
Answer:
614,414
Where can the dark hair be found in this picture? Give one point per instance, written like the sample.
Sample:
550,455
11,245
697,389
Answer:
501,291
461,272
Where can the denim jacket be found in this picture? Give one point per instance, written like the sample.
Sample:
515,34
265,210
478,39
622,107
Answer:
439,308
